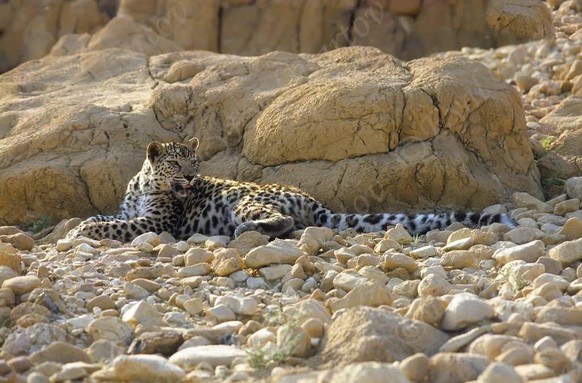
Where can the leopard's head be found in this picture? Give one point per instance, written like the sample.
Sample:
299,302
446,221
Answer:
173,165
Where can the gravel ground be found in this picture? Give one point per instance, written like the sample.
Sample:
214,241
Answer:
452,306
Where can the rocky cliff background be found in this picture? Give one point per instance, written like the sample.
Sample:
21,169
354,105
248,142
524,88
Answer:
346,121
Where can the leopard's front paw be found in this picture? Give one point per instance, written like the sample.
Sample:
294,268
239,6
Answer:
246,226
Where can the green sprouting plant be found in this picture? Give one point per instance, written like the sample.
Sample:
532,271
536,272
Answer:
39,225
514,280
271,355
547,142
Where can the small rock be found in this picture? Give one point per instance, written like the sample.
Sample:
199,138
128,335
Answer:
150,238
446,367
144,314
369,372
521,235
261,337
398,234
134,291
433,285
572,229
391,261
499,372
239,305
415,367
276,252
313,239
194,306
371,294
159,342
554,280
464,310
104,302
248,241
567,252
8,272
525,200
60,352
226,262
69,373
217,242
314,327
552,266
20,241
197,239
274,272
112,329
424,252
146,368
528,252
215,355
348,279
220,313
567,206
194,270
364,333
573,187
297,336
197,255
104,350
22,284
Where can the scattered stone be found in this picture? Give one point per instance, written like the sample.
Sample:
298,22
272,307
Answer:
276,252
146,368
447,367
369,372
528,252
365,334
530,202
398,234
160,342
371,294
464,310
567,252
150,238
499,372
197,255
214,355
415,367
22,284
60,352
572,229
573,187
144,314
20,241
226,262
248,241
112,329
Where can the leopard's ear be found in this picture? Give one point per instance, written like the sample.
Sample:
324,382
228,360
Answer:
154,150
193,143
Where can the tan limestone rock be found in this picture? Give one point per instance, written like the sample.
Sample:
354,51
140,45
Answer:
346,114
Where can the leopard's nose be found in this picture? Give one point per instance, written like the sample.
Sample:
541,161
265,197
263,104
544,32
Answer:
189,178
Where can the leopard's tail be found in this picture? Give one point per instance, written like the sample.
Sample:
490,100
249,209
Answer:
414,223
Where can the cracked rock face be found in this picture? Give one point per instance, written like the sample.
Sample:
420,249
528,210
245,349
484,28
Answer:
357,128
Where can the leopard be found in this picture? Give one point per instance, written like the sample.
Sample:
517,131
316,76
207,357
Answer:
169,194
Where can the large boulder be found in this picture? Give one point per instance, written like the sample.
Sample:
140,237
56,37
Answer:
359,129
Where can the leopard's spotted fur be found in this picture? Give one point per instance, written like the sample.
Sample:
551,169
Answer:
169,195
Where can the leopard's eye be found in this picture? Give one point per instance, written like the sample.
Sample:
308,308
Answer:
173,162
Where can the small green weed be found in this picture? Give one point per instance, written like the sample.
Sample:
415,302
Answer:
39,225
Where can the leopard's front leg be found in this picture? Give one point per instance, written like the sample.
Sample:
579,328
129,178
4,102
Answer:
121,230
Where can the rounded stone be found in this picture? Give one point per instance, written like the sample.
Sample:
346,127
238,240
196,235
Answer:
22,284
146,368
464,310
